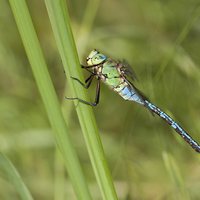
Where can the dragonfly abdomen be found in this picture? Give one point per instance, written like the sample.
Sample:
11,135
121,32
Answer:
174,125
127,93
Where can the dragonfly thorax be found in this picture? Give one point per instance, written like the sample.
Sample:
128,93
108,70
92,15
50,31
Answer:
110,73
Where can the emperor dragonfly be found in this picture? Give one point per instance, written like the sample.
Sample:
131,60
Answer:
114,74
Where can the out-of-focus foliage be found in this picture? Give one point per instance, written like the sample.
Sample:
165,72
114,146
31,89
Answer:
147,158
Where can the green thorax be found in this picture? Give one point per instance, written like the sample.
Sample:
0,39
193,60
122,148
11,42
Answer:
110,73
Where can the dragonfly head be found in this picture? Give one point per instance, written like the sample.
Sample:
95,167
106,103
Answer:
95,58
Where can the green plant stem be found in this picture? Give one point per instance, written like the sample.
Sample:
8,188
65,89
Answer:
62,30
49,97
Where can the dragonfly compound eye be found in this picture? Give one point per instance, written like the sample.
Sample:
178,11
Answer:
98,59
90,56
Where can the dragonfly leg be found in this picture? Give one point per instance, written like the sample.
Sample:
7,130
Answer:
86,68
97,93
87,86
90,78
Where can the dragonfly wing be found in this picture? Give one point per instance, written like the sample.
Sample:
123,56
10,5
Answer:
128,70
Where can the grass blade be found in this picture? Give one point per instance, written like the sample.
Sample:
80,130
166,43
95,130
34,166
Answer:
49,97
14,177
62,30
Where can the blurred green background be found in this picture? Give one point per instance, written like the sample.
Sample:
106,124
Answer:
147,158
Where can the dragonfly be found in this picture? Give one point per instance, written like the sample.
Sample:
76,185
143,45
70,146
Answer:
114,74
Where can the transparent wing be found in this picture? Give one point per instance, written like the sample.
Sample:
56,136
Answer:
128,70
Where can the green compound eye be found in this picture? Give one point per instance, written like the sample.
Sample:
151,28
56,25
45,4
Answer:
98,59
95,58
